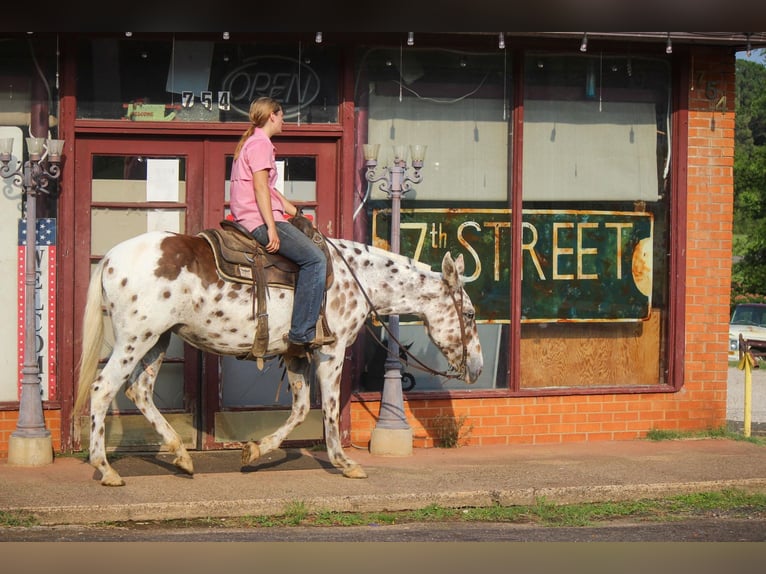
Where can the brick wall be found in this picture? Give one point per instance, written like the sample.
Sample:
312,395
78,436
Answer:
701,403
8,421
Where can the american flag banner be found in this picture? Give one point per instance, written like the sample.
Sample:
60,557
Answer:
45,303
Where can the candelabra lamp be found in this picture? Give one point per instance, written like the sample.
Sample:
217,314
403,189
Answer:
30,444
392,435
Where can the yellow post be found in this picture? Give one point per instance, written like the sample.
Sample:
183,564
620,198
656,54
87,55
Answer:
746,362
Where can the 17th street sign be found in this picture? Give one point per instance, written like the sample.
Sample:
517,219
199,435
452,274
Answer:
576,265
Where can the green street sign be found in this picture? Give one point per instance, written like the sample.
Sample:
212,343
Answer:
576,265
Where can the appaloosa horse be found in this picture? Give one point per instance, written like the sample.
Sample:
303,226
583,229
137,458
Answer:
160,283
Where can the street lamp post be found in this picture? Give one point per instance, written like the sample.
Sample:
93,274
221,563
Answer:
392,435
30,444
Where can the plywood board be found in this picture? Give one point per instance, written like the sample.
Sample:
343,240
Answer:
591,354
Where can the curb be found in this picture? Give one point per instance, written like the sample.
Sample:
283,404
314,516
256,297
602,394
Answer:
82,514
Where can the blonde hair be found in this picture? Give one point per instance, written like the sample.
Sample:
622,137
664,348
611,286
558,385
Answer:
260,110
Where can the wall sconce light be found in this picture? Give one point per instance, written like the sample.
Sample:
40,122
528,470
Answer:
318,38
501,41
669,45
410,38
128,34
226,36
584,43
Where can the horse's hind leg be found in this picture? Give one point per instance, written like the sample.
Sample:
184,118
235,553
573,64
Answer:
102,392
297,369
141,392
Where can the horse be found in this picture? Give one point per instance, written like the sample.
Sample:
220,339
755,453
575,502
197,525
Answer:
160,282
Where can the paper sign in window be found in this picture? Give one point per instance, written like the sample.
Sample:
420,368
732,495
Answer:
162,180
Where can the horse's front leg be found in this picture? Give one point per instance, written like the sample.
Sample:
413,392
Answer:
297,370
328,375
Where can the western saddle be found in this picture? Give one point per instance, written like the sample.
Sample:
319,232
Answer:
240,258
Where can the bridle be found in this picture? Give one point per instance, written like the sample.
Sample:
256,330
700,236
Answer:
457,301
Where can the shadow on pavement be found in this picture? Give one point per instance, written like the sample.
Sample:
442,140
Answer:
207,462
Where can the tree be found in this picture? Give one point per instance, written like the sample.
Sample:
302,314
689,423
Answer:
749,272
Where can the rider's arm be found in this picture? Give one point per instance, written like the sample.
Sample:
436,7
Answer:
290,208
263,199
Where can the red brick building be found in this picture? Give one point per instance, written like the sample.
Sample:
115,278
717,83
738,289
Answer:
603,161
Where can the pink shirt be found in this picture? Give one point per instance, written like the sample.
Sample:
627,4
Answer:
256,154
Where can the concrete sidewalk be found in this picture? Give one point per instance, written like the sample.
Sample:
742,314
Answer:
68,491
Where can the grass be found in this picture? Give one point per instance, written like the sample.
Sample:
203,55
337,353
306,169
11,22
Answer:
16,519
721,432
731,502
451,430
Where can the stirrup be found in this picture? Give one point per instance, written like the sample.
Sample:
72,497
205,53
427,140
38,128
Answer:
321,340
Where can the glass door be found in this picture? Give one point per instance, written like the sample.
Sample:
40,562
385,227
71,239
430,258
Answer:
126,188
245,402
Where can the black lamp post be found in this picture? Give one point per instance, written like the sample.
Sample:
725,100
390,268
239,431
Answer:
30,444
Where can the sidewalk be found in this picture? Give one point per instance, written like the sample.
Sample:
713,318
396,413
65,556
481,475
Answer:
68,491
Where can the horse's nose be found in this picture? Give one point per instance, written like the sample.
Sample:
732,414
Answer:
473,367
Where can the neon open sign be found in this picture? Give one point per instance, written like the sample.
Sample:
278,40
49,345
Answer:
292,83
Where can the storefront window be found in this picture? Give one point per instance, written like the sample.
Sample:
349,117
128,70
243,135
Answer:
457,103
134,79
595,178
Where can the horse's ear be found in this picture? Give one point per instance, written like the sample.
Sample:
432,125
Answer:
460,265
452,270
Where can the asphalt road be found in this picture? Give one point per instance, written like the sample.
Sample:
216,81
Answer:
706,529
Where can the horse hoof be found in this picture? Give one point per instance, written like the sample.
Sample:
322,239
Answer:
250,453
184,463
355,471
112,480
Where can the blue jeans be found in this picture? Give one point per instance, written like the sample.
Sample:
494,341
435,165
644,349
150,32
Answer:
312,273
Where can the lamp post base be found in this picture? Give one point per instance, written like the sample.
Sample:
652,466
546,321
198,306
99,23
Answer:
391,442
30,451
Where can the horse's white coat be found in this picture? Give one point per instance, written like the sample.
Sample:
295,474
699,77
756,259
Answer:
160,282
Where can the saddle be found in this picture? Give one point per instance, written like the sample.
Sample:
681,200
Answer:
239,258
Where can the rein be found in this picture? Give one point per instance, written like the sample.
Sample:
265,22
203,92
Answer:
460,374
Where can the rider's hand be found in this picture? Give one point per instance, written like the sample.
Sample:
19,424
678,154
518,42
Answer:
273,245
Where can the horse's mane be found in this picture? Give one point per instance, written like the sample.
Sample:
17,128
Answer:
400,259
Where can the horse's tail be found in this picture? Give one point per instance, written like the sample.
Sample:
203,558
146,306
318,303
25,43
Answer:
92,338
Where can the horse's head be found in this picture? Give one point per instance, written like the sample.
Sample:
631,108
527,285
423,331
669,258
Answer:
453,326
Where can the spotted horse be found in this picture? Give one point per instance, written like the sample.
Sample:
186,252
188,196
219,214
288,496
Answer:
160,283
